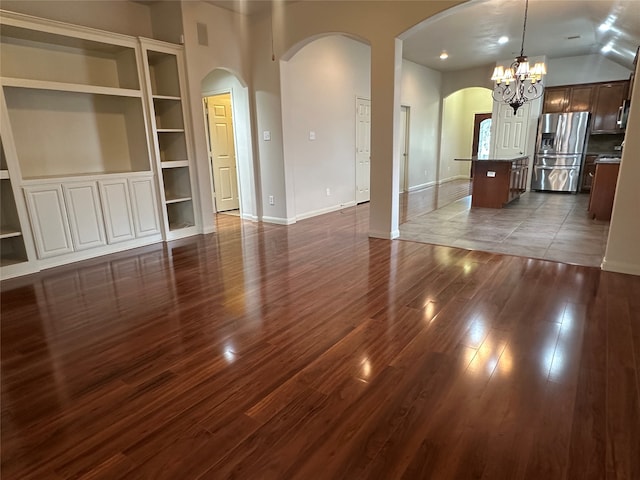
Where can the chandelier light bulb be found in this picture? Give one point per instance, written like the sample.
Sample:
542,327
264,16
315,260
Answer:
519,83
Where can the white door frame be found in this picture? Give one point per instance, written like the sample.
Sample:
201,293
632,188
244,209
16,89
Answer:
405,143
358,99
235,143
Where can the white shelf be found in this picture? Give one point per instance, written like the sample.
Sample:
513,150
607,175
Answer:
8,232
170,130
177,200
166,97
69,87
4,174
175,164
11,260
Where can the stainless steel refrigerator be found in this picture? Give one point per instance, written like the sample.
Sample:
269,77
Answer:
560,149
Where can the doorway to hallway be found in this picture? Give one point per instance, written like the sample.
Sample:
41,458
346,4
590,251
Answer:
222,152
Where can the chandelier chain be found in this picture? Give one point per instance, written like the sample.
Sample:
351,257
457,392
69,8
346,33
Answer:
524,27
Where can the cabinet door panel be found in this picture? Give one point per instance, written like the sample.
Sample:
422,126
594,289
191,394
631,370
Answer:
555,99
580,99
85,215
49,220
116,206
143,203
609,99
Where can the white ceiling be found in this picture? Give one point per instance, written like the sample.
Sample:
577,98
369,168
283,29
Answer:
469,33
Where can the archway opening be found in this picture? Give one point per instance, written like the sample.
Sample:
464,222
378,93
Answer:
228,129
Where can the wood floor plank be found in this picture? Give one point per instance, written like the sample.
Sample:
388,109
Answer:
314,351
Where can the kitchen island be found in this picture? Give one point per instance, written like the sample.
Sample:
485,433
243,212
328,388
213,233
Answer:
496,182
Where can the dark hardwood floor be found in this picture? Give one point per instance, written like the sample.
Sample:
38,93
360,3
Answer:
315,352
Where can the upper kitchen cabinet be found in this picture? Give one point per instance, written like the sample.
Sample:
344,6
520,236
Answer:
571,98
607,106
603,100
556,99
580,98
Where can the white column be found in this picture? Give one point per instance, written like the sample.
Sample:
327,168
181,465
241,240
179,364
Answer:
386,70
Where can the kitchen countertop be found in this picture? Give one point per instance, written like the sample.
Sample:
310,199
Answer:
475,159
608,160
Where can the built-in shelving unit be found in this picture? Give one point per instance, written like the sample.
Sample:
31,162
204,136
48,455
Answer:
92,120
166,87
12,246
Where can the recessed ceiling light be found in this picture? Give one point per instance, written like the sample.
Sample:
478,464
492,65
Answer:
503,40
444,56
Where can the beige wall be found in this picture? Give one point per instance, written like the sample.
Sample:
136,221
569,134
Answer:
420,91
457,129
320,85
623,247
129,18
379,23
227,48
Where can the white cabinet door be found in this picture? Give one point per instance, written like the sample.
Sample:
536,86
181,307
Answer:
144,206
116,207
49,220
85,214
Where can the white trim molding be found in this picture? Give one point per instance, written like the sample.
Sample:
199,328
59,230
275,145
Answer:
620,267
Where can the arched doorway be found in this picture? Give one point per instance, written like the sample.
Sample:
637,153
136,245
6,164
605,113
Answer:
228,129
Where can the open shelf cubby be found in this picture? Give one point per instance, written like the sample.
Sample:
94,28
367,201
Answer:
77,133
172,145
168,114
180,215
163,73
12,251
177,185
37,55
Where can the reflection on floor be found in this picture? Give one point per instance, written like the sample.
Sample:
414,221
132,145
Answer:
550,226
235,213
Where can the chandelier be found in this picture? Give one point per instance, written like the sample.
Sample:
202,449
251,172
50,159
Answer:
518,84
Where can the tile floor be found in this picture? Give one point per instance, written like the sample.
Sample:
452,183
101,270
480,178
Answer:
551,226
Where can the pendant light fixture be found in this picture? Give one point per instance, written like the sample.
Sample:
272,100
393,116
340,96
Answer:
518,84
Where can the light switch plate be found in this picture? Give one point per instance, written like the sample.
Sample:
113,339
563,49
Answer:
491,174
312,135
266,135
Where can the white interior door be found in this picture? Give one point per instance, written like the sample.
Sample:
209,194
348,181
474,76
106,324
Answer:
403,147
511,131
223,152
363,152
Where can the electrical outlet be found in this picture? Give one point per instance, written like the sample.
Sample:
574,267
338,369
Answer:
312,135
425,173
266,136
271,200
328,192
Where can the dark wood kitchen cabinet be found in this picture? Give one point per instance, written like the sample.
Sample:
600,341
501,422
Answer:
607,103
571,98
498,182
556,99
588,172
603,100
603,190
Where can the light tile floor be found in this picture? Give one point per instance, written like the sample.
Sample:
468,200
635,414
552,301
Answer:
551,226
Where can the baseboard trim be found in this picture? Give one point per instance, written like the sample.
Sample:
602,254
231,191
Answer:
455,177
248,216
207,230
422,186
385,235
322,211
620,267
279,220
